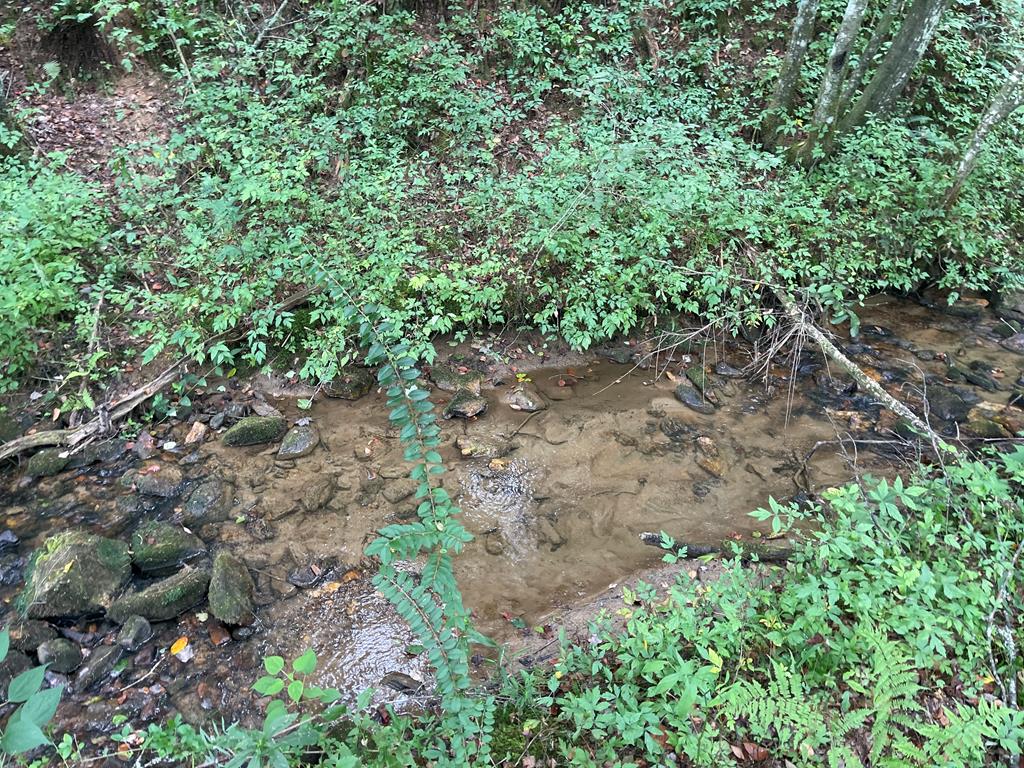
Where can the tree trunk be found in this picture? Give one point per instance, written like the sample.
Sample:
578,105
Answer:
1005,102
899,62
881,32
827,104
799,40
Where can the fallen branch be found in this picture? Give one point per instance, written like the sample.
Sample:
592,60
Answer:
749,552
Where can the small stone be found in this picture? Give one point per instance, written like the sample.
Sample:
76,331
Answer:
298,442
209,502
317,493
711,464
524,397
707,446
305,576
165,599
674,429
351,383
135,633
196,434
231,590
145,446
253,430
1014,343
62,655
98,667
46,463
163,480
465,405
693,399
722,368
159,549
217,420
617,354
986,428
401,682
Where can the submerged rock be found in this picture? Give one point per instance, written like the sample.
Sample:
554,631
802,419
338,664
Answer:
45,463
62,655
253,430
693,399
298,442
722,368
524,397
165,599
483,446
163,480
1014,343
135,633
946,404
159,549
74,574
465,405
450,379
98,667
351,383
231,590
209,502
30,634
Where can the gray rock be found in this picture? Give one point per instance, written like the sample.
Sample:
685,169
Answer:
28,635
450,379
231,590
1014,343
62,655
45,463
351,383
299,442
946,404
465,405
162,480
98,667
253,430
74,574
722,368
615,353
209,502
159,549
135,633
693,399
483,446
524,397
165,599
400,490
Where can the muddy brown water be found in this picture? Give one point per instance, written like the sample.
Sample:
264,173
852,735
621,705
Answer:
555,517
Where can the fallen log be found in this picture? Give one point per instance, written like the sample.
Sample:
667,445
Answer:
748,552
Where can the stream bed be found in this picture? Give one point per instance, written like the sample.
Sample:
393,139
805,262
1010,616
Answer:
556,498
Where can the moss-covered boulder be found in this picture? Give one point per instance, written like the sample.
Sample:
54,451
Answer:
45,463
451,379
165,599
253,430
231,590
351,383
159,549
74,574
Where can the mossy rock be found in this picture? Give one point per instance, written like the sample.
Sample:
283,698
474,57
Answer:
231,590
449,379
351,383
74,574
209,502
253,430
299,442
165,599
159,549
45,463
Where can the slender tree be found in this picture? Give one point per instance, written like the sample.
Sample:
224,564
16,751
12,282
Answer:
796,51
1007,100
881,32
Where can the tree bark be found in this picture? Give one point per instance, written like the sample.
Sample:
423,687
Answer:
799,40
1009,98
827,104
906,52
880,33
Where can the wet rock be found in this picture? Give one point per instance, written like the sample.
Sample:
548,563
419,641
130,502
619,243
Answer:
400,490
981,378
693,399
483,446
351,383
98,667
401,682
465,405
9,428
62,655
231,590
986,428
8,540
165,599
674,429
524,397
105,452
1011,306
12,666
217,420
209,502
450,379
549,534
298,442
1008,417
925,354
46,463
946,404
135,633
159,549
616,353
713,465
196,434
162,480
74,574
493,544
145,446
722,368
253,430
28,635
1014,343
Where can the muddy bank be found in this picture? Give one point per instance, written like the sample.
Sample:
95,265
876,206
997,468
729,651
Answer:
263,510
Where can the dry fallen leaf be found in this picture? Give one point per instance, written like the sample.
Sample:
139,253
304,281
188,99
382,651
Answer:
179,645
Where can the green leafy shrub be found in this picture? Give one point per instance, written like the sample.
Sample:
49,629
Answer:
35,707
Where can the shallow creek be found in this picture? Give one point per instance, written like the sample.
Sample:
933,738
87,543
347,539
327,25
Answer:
555,499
